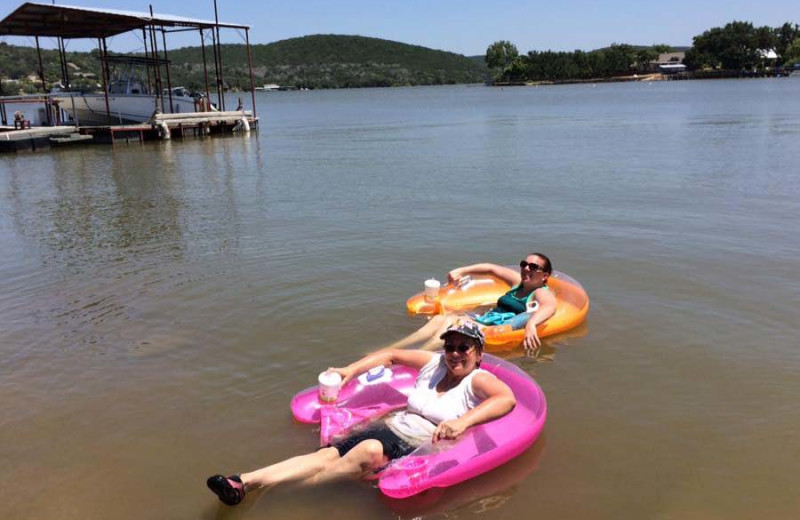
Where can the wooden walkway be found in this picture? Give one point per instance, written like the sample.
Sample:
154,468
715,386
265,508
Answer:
160,127
32,138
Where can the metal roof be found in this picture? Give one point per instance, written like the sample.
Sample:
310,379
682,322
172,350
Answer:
66,21
672,66
669,57
767,54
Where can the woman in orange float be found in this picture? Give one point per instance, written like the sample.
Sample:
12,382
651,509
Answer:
530,301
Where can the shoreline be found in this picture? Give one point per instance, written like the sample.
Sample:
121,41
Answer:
656,76
616,79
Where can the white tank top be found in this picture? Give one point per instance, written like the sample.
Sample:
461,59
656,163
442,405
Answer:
426,408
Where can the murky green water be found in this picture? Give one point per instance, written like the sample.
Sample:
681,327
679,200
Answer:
160,304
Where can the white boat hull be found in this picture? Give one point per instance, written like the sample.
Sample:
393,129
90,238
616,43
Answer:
124,109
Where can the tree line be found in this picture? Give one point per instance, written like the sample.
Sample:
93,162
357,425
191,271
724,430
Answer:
335,61
736,46
616,60
318,61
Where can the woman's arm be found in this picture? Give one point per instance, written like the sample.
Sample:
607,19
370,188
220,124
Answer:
498,400
545,310
508,275
410,358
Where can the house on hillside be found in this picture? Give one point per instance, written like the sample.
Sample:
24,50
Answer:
668,63
768,58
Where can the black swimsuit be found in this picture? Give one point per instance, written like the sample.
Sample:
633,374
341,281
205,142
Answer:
393,446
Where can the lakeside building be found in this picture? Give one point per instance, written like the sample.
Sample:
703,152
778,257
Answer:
768,57
668,63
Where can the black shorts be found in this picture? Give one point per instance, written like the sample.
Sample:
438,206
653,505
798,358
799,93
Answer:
394,447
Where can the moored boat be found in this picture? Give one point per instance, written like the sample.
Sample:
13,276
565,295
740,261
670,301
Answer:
130,99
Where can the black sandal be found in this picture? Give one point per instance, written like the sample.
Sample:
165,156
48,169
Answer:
230,490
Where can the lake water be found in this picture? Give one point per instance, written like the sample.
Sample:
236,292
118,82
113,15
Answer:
160,304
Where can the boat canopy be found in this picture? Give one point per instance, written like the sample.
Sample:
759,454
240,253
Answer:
124,59
64,21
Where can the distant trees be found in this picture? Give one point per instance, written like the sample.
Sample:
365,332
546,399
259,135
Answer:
500,54
21,64
736,46
502,57
617,60
785,35
644,57
319,61
621,58
792,54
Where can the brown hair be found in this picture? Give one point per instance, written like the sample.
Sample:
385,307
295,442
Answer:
548,265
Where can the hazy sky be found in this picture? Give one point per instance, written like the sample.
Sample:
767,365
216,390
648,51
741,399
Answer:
462,26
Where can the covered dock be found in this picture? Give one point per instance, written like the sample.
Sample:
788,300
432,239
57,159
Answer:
64,22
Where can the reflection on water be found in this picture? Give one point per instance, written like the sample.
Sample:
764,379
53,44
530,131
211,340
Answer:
162,302
483,494
105,225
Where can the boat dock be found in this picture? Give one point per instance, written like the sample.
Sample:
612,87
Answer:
136,100
162,127
13,140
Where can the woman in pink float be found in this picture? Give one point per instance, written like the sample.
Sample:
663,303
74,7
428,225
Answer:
450,395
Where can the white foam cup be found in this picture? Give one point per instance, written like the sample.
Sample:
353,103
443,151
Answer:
329,382
432,289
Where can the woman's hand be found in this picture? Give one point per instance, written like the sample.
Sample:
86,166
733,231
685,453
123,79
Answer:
455,275
449,430
346,373
531,342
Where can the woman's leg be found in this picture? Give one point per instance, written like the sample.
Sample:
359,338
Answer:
321,466
366,457
290,470
231,490
435,342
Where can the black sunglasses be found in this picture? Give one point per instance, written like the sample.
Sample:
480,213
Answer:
463,348
530,265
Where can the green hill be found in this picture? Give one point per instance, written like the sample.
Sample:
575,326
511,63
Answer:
319,61
19,67
333,61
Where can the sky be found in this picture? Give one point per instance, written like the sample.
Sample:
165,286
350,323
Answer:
461,26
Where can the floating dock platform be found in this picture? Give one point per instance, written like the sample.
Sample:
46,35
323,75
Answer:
34,138
160,127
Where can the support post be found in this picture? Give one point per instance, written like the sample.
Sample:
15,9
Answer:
41,67
146,65
219,53
205,68
44,84
252,78
216,69
64,68
159,87
166,67
157,70
104,70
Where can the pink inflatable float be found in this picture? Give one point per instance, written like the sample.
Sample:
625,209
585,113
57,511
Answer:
480,449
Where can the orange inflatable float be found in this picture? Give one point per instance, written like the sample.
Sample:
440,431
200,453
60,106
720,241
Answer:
477,291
